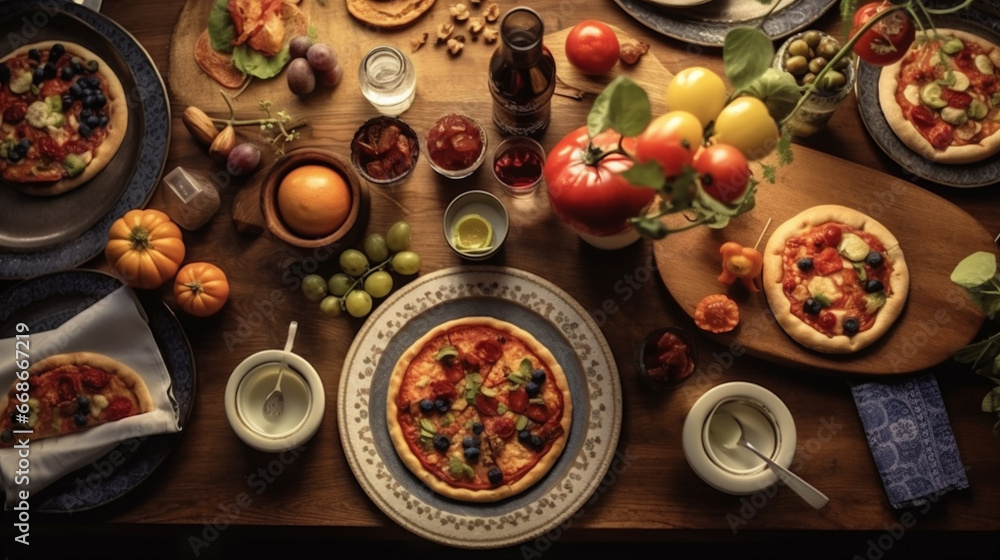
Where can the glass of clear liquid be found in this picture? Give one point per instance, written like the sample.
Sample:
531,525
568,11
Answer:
388,80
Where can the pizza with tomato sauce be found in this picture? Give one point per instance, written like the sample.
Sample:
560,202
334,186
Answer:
835,278
478,409
64,116
69,393
942,99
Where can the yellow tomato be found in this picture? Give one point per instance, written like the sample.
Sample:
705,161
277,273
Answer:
746,125
698,91
145,247
201,289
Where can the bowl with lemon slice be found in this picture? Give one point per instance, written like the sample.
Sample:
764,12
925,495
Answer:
476,224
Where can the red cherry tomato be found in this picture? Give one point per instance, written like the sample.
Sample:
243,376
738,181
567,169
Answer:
592,196
671,140
886,41
592,47
832,235
724,172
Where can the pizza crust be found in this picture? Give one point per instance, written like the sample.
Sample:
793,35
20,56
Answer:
905,130
413,463
773,272
116,127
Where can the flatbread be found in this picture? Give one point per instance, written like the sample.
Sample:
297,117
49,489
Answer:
388,14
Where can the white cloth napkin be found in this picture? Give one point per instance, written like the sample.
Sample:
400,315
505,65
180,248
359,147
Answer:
114,326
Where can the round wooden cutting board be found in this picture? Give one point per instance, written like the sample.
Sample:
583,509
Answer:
933,233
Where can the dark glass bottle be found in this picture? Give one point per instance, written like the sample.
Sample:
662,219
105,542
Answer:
522,75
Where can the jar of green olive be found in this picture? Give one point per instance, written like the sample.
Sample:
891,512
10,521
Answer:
804,56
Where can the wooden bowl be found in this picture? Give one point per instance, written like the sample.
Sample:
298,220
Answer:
357,218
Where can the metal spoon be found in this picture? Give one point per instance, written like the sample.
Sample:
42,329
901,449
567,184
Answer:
275,402
728,432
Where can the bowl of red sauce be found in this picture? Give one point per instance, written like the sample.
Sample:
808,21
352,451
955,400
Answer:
666,358
385,150
456,146
517,164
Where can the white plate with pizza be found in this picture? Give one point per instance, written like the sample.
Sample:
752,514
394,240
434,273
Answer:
942,127
559,332
919,319
94,124
50,300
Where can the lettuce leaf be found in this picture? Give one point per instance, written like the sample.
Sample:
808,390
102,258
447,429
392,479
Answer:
221,31
252,62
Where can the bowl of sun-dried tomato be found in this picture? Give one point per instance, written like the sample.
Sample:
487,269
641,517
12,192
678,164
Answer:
385,150
666,358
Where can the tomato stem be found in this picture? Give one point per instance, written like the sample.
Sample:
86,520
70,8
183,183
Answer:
195,287
139,238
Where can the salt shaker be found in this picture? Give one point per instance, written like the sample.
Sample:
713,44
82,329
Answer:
191,200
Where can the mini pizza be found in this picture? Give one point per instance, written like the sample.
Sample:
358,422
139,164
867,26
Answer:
942,99
70,393
64,117
478,409
834,278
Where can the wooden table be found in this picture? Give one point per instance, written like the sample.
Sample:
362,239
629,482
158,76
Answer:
657,497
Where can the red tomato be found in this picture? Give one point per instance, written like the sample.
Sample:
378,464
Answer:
724,172
671,140
587,191
592,47
832,235
886,41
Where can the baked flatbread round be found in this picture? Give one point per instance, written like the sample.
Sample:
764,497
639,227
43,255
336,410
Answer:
896,86
833,280
388,14
117,112
467,381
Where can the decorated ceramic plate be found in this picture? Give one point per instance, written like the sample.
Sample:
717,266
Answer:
46,234
708,24
50,300
984,23
559,323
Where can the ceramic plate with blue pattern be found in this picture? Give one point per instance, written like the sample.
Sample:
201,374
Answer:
708,24
50,300
555,320
46,234
968,175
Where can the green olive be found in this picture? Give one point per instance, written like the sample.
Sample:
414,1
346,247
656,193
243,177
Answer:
808,79
797,65
817,64
812,38
798,47
842,63
832,81
828,48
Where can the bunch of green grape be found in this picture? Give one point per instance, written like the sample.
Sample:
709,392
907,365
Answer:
364,275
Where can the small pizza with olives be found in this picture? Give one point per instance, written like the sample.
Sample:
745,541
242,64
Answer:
64,117
835,278
478,409
69,393
942,99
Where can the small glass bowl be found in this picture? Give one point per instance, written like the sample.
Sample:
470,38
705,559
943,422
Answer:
517,145
660,376
486,205
360,158
819,108
458,173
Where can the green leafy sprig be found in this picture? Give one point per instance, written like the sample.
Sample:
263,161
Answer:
279,127
977,273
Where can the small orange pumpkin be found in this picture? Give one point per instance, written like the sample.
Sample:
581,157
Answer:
145,247
201,289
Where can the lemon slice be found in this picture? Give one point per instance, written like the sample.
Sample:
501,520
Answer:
472,231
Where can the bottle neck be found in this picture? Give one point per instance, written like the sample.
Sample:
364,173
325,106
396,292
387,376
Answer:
385,68
521,32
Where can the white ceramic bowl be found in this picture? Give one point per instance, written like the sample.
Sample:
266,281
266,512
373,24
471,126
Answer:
486,205
250,384
767,424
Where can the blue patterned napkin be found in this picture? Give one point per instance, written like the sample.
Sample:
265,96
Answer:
910,438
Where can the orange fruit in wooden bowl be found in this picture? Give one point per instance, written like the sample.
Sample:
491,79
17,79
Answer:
313,198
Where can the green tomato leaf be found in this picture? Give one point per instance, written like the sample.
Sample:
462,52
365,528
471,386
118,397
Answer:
985,350
648,174
778,90
747,53
252,62
992,401
975,270
221,31
623,106
651,228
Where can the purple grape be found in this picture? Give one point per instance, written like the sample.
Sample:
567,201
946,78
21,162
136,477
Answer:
299,45
333,77
243,159
322,58
301,78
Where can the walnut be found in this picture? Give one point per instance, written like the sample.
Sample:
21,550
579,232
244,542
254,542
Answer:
490,34
418,41
459,11
632,50
444,31
455,45
492,12
476,25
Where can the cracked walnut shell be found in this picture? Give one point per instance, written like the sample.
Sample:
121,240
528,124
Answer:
459,11
444,31
492,12
455,45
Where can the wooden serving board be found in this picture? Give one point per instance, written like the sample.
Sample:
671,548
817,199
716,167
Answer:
935,235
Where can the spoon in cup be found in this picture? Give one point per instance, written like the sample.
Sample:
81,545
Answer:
274,405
